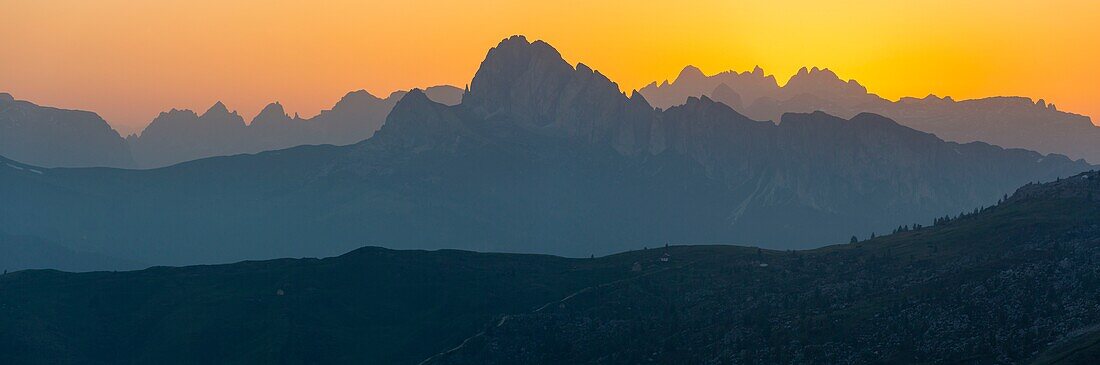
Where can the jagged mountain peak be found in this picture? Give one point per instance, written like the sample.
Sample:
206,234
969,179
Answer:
689,74
217,109
271,113
515,67
358,97
443,94
172,113
415,95
823,83
517,50
637,97
418,122
701,104
275,109
532,84
815,73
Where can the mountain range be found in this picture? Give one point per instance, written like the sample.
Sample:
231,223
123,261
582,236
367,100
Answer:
84,140
183,135
1012,283
51,137
540,156
1012,122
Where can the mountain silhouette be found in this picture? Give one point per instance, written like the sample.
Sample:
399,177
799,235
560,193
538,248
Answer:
540,156
177,136
1013,122
986,279
52,137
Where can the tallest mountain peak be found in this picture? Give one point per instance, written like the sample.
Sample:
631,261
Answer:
518,51
517,69
530,84
519,43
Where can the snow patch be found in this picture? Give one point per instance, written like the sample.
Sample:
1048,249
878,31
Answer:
13,166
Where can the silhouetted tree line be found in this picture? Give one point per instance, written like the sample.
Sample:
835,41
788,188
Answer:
939,221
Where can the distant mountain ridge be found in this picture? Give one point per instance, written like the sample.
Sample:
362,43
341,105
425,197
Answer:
540,156
182,135
52,137
1011,122
22,253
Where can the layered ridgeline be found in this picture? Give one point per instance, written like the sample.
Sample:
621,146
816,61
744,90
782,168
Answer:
1004,121
183,135
541,157
1015,283
52,137
22,252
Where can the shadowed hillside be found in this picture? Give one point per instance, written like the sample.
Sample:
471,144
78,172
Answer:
995,285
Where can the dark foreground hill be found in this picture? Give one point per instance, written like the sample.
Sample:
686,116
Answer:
540,157
1014,283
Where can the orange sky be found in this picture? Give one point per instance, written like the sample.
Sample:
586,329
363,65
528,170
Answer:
129,60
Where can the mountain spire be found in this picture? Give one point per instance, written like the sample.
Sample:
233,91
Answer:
270,114
217,109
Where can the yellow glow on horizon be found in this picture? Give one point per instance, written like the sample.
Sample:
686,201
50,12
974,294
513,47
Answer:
129,60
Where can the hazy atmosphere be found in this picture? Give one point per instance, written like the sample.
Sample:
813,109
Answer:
552,182
129,60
